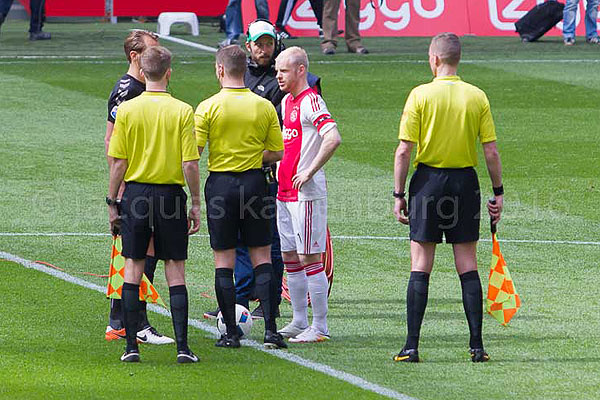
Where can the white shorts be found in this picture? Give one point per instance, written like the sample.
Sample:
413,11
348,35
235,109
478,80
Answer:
302,225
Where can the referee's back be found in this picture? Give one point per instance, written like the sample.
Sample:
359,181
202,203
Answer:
154,132
238,125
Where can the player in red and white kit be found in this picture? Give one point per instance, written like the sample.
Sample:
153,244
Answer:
310,138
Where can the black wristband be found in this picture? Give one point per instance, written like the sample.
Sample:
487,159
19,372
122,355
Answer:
111,202
498,191
399,195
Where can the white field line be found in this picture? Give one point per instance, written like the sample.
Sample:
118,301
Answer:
185,42
337,237
341,375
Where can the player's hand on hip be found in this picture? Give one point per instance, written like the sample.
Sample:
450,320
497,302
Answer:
401,211
194,220
300,179
114,219
495,210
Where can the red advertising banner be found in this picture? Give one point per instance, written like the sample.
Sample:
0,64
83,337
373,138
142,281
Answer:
72,8
419,17
151,8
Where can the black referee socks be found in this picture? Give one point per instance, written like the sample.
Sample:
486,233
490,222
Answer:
225,290
472,296
416,302
179,314
266,291
131,307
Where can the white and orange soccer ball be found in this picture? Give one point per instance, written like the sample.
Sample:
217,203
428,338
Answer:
243,318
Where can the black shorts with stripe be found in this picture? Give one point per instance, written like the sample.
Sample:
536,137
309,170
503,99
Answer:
444,202
158,210
238,209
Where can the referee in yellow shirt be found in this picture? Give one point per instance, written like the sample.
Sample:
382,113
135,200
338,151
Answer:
155,153
243,133
445,119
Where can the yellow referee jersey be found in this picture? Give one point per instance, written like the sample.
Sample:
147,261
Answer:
238,125
154,132
444,118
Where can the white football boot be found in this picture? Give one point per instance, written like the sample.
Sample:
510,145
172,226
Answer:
310,335
291,330
151,336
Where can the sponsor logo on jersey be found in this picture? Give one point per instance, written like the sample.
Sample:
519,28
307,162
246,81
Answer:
289,134
113,112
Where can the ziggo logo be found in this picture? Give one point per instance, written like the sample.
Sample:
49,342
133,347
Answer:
398,18
289,134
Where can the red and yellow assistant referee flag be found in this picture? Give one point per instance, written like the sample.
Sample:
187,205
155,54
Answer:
116,273
502,302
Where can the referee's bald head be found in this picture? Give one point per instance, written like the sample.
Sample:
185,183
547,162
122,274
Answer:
233,60
447,47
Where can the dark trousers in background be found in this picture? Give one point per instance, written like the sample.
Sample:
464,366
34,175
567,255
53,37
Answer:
287,6
243,272
38,13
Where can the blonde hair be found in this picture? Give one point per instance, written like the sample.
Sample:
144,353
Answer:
296,55
135,41
447,47
155,62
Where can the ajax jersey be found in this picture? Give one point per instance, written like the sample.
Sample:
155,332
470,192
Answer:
305,121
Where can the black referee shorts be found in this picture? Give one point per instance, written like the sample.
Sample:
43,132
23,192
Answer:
238,208
148,209
444,201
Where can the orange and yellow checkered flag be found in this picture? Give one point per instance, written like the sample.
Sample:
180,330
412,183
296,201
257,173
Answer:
502,302
116,274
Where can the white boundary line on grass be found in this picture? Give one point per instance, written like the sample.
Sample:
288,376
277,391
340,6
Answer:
327,370
338,237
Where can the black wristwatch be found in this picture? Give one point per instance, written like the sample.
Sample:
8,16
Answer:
399,195
498,191
111,202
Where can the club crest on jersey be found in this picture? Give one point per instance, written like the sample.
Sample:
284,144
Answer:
294,115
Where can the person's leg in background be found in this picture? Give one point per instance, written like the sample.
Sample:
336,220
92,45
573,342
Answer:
330,26
262,9
233,22
38,16
283,15
244,276
591,14
352,24
317,6
4,9
569,19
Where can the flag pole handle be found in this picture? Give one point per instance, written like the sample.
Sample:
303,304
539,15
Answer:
493,227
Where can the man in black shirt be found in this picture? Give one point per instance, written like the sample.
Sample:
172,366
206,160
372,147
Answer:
128,87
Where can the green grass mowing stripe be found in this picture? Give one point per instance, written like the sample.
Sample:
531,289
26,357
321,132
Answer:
335,237
343,376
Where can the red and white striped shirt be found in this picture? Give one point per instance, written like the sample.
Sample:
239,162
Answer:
305,121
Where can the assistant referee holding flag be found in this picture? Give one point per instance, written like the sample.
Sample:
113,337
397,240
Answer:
153,147
445,118
243,133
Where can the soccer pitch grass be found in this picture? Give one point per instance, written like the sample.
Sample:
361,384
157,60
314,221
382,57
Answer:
544,100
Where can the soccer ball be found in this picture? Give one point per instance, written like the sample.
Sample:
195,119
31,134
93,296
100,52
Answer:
243,318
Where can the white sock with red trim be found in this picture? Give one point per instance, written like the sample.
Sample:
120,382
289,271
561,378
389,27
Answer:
298,288
318,286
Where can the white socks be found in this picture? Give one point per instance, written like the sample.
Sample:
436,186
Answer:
318,287
298,287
